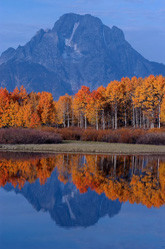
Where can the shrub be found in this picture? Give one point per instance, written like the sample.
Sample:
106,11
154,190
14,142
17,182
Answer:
28,136
123,135
90,135
152,138
113,136
72,133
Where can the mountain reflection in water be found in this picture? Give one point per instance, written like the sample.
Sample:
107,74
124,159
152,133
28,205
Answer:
77,190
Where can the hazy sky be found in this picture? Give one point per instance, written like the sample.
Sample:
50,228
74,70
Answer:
143,21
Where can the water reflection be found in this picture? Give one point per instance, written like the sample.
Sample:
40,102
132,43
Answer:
78,190
139,179
65,204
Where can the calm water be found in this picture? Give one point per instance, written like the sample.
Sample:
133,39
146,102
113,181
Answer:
81,201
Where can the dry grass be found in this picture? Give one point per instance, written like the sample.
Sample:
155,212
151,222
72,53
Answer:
122,141
87,148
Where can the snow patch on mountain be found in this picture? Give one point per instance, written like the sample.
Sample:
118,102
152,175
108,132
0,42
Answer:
68,42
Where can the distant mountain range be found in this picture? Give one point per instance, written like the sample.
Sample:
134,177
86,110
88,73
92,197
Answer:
79,50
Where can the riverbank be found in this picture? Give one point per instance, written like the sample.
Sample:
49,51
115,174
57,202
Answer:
86,148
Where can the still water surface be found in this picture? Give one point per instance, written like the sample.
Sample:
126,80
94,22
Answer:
81,201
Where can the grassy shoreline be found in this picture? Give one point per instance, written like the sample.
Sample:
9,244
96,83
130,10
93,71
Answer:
86,148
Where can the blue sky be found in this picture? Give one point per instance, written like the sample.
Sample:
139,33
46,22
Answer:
143,21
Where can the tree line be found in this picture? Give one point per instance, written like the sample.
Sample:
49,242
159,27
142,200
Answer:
135,102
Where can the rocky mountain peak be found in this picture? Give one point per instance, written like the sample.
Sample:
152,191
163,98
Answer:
79,50
7,55
118,33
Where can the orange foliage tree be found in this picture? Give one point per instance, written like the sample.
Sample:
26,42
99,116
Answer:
132,102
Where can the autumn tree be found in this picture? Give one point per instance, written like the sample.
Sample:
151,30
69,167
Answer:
80,102
45,108
64,110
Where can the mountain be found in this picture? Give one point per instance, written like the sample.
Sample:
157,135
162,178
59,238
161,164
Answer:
78,50
66,206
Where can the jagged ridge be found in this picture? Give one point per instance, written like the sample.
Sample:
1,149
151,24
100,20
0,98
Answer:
79,50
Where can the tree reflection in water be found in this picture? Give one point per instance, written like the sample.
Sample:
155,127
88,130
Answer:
137,179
